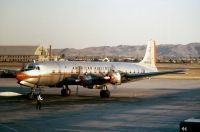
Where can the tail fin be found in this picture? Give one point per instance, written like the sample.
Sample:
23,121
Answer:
150,55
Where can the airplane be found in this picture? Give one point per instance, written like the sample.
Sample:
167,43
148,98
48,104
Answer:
89,74
8,72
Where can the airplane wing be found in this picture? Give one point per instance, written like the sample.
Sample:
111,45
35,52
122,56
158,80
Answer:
89,80
141,75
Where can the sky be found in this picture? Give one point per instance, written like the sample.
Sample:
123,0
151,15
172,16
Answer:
90,23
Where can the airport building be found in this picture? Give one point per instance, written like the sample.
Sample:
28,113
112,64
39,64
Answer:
23,53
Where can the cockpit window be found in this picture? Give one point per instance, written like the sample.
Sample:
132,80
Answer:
31,67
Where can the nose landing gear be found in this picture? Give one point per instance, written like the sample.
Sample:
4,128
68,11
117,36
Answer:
32,94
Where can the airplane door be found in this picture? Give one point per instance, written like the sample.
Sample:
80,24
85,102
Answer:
80,70
56,73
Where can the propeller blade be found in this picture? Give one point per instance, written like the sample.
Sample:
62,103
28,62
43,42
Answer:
77,80
106,77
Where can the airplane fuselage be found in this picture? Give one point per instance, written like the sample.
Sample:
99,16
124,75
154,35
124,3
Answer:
52,73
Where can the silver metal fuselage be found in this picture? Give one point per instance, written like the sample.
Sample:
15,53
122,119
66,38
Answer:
52,72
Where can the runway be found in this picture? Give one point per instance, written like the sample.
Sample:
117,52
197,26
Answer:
155,105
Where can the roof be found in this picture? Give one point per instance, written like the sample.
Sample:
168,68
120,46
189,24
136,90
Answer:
19,50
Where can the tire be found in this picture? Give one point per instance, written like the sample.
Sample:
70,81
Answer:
104,93
107,93
65,92
68,92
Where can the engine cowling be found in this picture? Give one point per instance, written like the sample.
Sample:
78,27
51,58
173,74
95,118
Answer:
86,81
115,78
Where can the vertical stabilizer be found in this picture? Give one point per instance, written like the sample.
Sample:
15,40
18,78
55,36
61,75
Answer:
150,55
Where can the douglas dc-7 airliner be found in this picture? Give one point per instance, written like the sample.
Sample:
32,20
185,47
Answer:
89,74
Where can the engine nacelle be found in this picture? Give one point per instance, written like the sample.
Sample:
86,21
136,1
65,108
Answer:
115,78
86,81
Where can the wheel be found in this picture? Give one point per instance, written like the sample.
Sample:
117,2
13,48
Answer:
104,93
107,93
68,92
65,92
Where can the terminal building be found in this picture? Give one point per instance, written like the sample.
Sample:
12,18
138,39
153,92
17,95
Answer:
23,53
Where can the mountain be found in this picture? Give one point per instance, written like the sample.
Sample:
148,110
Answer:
164,50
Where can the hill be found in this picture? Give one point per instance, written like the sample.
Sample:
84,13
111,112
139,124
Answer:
164,50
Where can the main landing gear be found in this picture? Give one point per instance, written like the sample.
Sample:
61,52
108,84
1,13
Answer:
65,91
104,93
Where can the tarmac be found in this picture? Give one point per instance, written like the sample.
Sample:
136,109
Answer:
149,105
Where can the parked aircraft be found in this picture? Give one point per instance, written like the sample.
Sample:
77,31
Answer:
89,74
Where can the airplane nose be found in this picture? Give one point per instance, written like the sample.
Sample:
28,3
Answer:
21,76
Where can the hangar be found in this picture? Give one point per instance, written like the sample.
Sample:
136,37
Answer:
23,53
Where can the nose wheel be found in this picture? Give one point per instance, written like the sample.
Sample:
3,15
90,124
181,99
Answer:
104,93
65,91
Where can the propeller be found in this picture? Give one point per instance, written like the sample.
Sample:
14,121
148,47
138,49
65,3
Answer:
114,76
